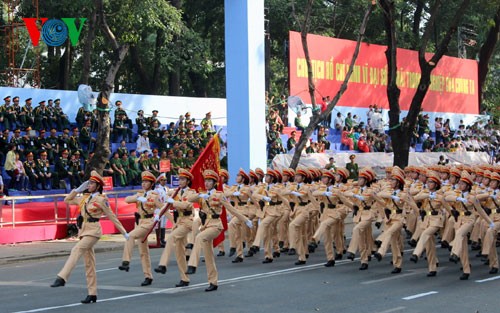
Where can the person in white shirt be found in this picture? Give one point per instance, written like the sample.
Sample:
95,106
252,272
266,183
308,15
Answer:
162,189
143,143
339,122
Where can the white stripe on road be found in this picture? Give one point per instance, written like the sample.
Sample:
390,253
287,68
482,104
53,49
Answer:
106,269
393,277
420,295
488,279
399,308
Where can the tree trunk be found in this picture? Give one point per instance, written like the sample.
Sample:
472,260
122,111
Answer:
102,150
146,84
318,116
174,81
65,67
417,18
486,52
87,48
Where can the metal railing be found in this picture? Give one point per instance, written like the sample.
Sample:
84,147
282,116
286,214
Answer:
57,199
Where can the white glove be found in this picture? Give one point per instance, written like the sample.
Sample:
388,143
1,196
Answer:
493,196
492,225
156,218
395,198
126,236
266,198
82,187
249,223
295,193
203,196
236,193
142,199
461,199
327,193
229,217
359,197
170,200
157,212
432,196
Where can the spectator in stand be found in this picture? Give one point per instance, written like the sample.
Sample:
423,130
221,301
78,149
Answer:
412,147
292,141
141,122
282,108
150,120
10,165
62,118
298,122
362,144
322,134
30,167
274,118
438,129
339,122
330,165
346,140
21,178
348,122
428,145
143,143
179,121
120,176
122,149
208,121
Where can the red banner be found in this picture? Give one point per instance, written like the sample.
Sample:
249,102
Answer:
108,183
164,166
454,82
209,160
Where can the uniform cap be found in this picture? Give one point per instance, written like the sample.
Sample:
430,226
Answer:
146,175
271,172
302,171
259,171
455,172
495,176
433,176
94,176
185,173
289,171
342,171
242,173
398,175
328,173
224,173
487,174
254,175
466,177
209,174
161,176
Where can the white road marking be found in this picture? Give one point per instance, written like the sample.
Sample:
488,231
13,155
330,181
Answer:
488,279
420,295
393,277
106,269
399,308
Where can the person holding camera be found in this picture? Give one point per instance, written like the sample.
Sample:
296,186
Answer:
92,205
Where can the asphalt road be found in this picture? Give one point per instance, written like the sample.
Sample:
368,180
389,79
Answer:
254,287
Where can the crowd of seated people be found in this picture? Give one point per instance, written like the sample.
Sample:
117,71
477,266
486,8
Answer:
40,148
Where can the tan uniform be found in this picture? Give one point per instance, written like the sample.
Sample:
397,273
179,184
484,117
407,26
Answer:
297,230
146,211
432,222
177,238
463,225
238,231
332,219
489,241
92,207
210,229
362,238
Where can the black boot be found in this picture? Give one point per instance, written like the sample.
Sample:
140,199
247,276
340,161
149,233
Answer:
464,276
189,246
412,243
350,256
212,287
299,262
364,266
162,237
377,256
276,254
221,253
191,270
454,258
237,260
59,282
338,256
330,263
267,260
292,252
396,270
89,299
162,269
432,274
414,258
232,251
147,281
125,266
182,284
494,270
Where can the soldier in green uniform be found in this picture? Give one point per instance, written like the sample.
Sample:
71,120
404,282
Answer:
153,118
155,133
75,169
291,142
352,167
53,142
85,137
126,167
145,163
189,159
30,167
45,175
16,110
7,114
120,176
64,141
141,122
122,149
63,167
135,172
177,162
4,143
44,145
62,119
74,141
27,116
154,162
41,116
18,141
81,116
51,114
